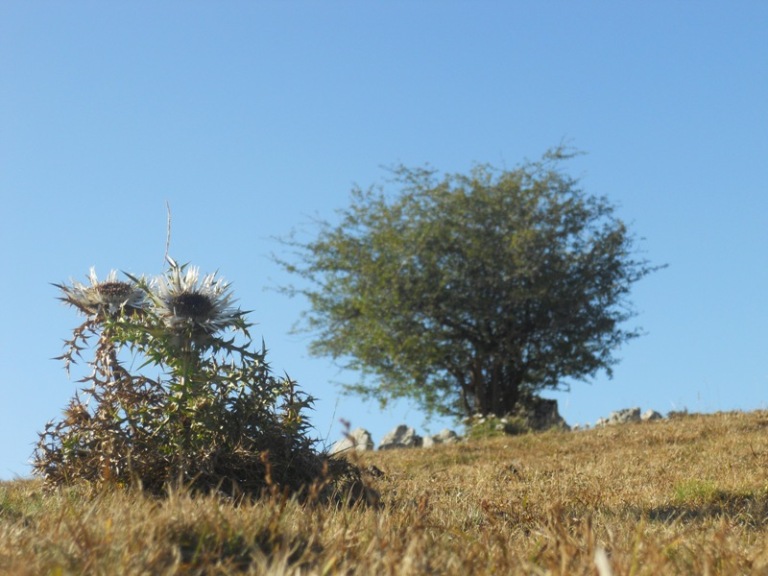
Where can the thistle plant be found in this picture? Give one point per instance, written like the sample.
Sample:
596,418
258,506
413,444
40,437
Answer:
176,393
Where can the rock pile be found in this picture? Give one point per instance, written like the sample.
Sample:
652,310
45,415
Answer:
626,416
446,436
359,440
543,415
400,437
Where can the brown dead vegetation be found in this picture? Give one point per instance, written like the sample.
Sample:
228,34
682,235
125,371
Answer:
681,496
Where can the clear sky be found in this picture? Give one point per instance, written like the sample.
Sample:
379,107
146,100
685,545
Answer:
253,118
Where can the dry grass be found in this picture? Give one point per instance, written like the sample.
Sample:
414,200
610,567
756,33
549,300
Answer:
681,496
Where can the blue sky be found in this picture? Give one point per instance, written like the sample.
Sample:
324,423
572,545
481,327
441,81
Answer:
253,118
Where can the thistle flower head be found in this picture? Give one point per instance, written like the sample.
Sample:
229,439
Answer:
185,300
108,297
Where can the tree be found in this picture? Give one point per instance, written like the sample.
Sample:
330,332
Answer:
471,293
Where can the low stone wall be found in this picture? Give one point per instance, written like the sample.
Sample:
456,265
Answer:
544,417
628,415
402,436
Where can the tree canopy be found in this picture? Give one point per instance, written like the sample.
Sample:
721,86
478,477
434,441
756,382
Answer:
471,293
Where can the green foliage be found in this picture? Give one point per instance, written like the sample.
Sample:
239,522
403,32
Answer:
470,293
491,426
696,492
202,409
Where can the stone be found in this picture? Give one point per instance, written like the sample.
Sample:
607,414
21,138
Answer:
359,440
649,415
623,416
542,414
445,436
401,437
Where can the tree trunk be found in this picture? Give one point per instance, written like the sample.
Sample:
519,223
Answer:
479,388
505,384
496,386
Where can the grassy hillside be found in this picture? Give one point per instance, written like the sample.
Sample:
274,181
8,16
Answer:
681,496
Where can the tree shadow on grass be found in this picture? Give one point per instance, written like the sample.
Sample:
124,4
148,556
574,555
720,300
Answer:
747,509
